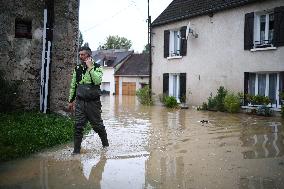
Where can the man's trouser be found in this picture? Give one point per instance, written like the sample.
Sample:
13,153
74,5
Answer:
88,111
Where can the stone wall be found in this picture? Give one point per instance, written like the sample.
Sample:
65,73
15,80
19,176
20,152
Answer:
21,58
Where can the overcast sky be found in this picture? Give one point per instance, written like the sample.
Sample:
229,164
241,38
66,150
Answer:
126,18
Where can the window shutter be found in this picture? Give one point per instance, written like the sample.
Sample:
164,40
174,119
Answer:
183,44
166,83
246,82
279,26
166,43
248,31
182,84
281,82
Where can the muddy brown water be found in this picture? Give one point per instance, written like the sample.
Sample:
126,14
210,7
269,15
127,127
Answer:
154,147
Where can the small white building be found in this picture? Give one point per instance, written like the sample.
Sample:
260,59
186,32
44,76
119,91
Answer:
111,60
200,45
132,75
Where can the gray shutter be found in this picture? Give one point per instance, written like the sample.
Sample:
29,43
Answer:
166,83
246,82
166,43
279,26
248,31
182,84
183,44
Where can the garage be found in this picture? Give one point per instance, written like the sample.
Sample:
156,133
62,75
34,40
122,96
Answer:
128,88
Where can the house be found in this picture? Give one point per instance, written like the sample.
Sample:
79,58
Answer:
110,60
132,75
38,43
200,45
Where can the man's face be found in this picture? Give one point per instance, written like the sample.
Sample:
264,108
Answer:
83,55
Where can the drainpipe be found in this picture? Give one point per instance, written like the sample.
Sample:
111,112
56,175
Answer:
46,56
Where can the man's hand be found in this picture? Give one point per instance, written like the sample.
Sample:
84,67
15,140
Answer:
89,62
71,106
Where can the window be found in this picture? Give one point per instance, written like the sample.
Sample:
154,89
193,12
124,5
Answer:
265,84
174,84
175,43
23,28
264,30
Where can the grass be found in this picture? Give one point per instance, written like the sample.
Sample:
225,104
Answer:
23,133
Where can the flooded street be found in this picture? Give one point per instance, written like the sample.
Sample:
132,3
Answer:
155,147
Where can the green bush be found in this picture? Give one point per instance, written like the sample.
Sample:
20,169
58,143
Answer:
282,111
204,106
23,133
258,99
144,96
212,104
263,111
170,102
221,94
232,103
8,92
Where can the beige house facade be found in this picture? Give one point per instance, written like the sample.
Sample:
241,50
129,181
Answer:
217,51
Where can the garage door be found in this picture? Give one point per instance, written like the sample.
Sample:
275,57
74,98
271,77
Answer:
128,88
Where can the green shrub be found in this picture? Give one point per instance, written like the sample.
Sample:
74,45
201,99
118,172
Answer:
212,104
282,111
23,133
144,96
170,102
232,103
221,94
258,99
263,111
217,102
204,106
8,92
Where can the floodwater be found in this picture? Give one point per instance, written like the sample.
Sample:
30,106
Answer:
154,147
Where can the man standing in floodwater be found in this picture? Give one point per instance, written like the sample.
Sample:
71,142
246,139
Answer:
85,90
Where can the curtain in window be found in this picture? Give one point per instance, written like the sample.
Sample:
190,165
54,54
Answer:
261,84
251,84
272,87
175,86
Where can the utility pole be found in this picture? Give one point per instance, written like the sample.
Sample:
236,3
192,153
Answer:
150,49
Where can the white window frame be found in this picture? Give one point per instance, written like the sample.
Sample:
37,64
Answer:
267,87
257,30
172,51
177,87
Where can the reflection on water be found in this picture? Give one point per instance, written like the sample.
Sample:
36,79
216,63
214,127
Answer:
257,183
266,143
155,147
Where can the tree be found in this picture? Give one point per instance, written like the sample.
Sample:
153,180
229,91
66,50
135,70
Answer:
86,44
116,42
81,40
146,49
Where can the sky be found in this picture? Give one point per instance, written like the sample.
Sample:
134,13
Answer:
126,18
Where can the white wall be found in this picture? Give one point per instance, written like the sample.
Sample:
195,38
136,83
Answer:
108,77
217,57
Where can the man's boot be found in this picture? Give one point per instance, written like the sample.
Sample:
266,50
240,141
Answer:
78,136
77,146
103,137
